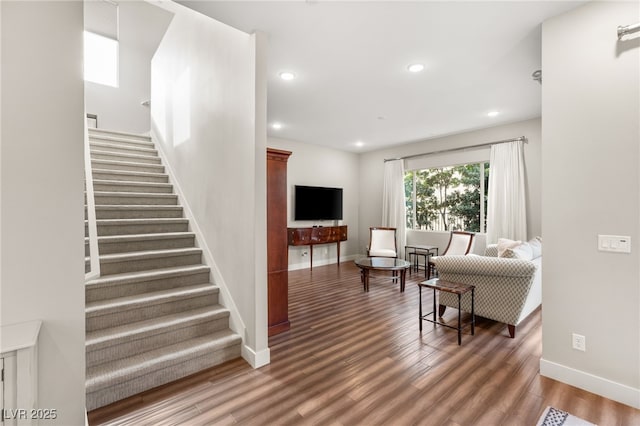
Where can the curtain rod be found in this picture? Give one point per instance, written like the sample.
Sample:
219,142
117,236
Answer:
462,148
629,29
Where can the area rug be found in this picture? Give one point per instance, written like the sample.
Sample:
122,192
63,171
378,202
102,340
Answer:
554,417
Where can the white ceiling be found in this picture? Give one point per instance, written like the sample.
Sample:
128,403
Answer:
350,59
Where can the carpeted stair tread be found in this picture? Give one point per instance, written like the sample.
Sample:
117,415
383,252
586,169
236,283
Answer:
124,183
131,176
138,206
122,141
112,244
141,198
143,237
129,158
98,339
133,140
103,375
133,195
106,146
138,211
99,164
142,276
165,220
104,307
148,258
148,254
117,134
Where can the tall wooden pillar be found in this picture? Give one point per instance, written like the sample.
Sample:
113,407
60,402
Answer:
277,247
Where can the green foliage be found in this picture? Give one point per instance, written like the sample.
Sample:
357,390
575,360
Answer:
447,198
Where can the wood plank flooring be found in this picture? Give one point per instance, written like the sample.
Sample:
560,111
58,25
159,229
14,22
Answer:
356,358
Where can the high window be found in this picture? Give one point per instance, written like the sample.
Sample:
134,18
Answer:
447,198
101,47
100,59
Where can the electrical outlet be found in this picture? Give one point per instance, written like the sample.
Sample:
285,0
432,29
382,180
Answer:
579,342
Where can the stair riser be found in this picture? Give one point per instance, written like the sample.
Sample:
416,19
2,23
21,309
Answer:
122,390
132,213
169,336
149,264
108,230
96,293
123,149
98,322
120,200
129,246
126,166
117,157
111,187
104,175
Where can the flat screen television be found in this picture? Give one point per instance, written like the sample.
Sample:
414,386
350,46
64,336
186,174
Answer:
317,203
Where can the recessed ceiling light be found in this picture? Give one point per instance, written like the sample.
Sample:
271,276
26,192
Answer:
276,126
359,144
287,75
415,67
493,113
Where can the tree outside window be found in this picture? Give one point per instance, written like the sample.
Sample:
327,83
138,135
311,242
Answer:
447,198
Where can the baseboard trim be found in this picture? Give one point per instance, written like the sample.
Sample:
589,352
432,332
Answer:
322,262
589,382
256,359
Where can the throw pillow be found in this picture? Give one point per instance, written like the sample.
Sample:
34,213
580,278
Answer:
522,251
504,244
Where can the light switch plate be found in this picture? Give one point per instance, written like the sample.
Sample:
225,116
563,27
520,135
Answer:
614,243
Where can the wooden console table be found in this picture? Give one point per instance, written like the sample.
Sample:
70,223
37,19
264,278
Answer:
317,235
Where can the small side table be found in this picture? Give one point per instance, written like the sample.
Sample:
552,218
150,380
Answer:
420,250
449,287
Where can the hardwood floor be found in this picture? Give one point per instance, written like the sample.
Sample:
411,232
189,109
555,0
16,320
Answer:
356,358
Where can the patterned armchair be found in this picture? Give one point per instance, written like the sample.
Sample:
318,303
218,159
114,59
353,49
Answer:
507,289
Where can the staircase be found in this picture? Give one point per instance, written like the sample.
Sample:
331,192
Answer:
152,316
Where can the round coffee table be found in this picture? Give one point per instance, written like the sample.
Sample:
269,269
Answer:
393,264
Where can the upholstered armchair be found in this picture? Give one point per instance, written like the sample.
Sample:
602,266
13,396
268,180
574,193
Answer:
382,242
507,289
460,242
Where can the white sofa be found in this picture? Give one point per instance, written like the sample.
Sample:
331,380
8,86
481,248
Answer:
507,290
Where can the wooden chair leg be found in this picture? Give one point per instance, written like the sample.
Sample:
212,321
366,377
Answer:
441,309
512,330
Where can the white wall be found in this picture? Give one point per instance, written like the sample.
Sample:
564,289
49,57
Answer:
372,170
204,81
315,165
590,132
42,172
142,26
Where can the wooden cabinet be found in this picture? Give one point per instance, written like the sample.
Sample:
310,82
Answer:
277,248
317,235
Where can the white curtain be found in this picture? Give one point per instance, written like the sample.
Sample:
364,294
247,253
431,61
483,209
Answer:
393,202
506,209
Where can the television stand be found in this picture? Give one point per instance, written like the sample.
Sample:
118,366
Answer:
312,236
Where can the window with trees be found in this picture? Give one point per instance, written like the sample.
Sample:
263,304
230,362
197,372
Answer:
447,198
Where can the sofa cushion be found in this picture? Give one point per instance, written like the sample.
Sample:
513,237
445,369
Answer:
504,244
528,250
